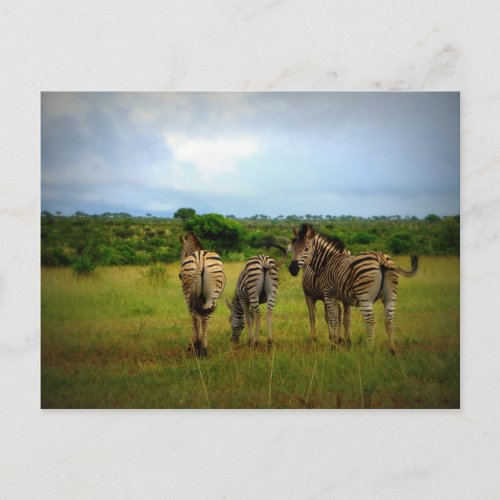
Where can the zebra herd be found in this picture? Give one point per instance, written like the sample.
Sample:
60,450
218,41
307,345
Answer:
330,274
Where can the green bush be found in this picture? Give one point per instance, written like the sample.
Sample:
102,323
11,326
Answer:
55,257
363,238
167,255
402,242
432,218
124,232
83,265
222,234
448,237
185,213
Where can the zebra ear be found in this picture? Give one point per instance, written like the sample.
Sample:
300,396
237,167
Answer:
295,232
181,239
229,305
311,233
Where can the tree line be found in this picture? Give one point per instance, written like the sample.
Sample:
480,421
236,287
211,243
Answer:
85,241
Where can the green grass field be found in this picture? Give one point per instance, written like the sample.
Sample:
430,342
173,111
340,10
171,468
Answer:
118,339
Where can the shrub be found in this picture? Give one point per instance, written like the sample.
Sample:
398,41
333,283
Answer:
157,273
363,238
83,265
55,257
124,232
432,218
166,255
258,239
402,243
448,237
185,213
223,234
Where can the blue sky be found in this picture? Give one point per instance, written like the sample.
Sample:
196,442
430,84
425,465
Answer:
277,153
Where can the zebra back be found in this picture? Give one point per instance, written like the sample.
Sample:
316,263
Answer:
255,268
257,284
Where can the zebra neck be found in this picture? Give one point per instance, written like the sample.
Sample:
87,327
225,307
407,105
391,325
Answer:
193,250
237,309
322,252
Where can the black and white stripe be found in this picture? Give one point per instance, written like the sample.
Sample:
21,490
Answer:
257,284
313,293
354,280
203,280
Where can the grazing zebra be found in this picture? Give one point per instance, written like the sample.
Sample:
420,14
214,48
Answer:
203,281
257,284
354,280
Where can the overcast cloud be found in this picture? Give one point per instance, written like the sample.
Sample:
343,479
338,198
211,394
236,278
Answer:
246,153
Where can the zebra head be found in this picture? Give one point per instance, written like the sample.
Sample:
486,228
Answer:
237,319
300,248
190,244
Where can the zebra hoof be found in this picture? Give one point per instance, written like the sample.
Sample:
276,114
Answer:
195,347
203,352
269,341
192,347
234,340
348,343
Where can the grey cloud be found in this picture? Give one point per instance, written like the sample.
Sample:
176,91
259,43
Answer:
103,149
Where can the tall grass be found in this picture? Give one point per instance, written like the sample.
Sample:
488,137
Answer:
118,339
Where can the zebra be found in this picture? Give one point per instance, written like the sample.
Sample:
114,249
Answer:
203,280
313,293
257,284
354,280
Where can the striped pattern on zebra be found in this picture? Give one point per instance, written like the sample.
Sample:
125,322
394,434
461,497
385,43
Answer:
313,293
354,280
203,280
257,284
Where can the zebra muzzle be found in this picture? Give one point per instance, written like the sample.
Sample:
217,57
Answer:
294,268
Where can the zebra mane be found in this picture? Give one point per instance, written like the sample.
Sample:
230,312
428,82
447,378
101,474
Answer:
192,236
337,243
303,231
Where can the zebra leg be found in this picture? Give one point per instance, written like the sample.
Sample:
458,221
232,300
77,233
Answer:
339,322
204,335
367,311
256,321
390,292
249,322
331,310
269,318
347,324
311,308
389,328
271,288
195,342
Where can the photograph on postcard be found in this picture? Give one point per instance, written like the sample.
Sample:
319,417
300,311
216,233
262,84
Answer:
264,250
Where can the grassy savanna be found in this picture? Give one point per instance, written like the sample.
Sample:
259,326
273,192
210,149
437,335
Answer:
118,338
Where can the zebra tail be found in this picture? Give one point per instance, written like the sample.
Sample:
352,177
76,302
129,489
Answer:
412,271
282,261
197,301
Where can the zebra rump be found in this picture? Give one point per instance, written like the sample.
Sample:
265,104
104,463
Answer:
197,297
